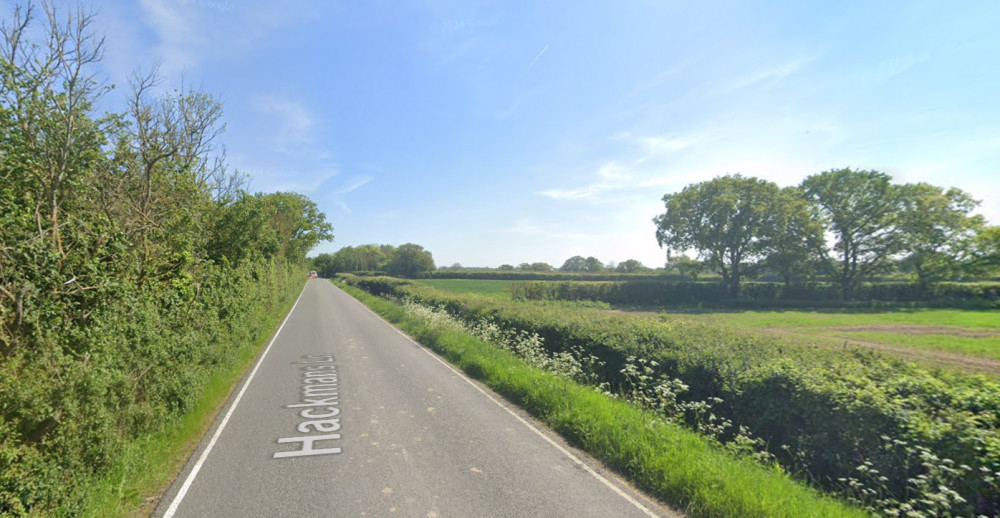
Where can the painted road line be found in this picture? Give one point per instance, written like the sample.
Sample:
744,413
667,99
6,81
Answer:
637,504
222,426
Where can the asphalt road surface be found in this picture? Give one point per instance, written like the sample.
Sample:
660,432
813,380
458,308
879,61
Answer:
345,416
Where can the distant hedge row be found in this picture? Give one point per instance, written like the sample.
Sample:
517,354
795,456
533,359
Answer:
514,275
644,292
822,412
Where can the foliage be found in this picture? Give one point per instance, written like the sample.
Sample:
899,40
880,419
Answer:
631,266
821,413
131,266
532,267
686,266
672,463
651,292
859,208
937,230
794,248
410,260
578,263
729,220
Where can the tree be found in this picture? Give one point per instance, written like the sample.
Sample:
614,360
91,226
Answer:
686,266
540,267
578,263
505,267
630,266
410,260
797,243
323,265
727,220
364,258
983,259
268,225
859,209
937,230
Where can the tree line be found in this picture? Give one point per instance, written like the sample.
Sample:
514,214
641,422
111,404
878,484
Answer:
407,260
844,224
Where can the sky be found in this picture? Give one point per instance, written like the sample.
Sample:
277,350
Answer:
510,132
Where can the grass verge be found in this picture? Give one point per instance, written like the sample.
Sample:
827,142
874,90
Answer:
675,465
134,485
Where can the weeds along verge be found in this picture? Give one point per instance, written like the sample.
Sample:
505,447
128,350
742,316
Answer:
899,439
685,469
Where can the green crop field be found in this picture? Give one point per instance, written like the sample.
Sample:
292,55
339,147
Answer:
966,332
490,288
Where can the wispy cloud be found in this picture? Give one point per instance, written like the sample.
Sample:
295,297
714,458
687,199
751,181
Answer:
355,184
537,57
767,76
613,176
291,122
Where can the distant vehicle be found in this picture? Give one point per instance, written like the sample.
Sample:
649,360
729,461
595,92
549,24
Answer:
313,275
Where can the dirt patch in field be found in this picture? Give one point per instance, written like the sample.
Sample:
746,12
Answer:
943,359
915,330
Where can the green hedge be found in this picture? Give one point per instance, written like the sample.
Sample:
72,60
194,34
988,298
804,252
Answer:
83,388
822,412
752,294
516,275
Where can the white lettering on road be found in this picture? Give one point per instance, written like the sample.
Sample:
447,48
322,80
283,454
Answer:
320,400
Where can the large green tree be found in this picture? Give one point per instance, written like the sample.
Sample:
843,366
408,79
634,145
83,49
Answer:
410,260
859,208
578,263
631,266
728,220
937,230
797,242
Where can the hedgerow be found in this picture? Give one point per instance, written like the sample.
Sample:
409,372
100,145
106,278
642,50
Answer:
646,292
894,436
133,266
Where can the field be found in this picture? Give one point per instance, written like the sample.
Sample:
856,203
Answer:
968,339
489,288
964,339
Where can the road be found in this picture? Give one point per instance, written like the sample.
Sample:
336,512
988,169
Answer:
345,416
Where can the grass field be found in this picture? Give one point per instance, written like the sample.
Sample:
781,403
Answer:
954,331
973,333
489,288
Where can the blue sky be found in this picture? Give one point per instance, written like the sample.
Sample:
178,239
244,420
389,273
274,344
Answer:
493,132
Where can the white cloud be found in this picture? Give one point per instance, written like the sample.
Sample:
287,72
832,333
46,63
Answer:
292,124
355,184
767,77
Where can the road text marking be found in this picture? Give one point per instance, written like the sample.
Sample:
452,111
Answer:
320,402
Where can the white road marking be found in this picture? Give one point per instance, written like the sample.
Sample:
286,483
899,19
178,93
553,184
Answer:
523,421
211,444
